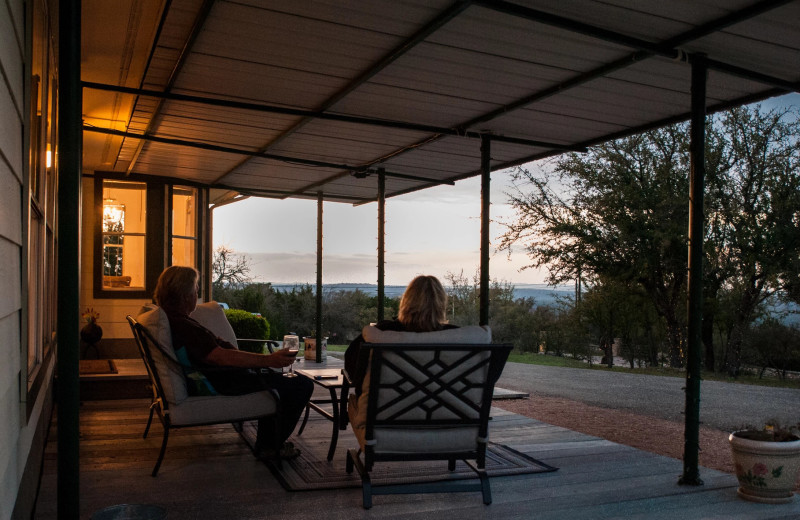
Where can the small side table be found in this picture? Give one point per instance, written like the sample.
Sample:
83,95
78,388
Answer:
332,380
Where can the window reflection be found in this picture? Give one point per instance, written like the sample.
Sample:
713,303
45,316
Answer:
123,230
184,226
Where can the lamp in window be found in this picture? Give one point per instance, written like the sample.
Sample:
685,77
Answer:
113,229
113,217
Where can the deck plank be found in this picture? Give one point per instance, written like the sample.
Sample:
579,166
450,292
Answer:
209,472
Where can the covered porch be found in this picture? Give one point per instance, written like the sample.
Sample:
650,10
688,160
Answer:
342,103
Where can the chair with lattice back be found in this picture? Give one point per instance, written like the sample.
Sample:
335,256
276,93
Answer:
425,400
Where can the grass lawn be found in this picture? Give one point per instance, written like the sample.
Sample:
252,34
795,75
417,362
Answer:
557,361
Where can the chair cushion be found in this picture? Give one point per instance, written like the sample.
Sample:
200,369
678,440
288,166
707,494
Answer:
222,408
171,376
470,334
357,409
211,316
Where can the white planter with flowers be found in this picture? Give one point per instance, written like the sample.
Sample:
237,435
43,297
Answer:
767,464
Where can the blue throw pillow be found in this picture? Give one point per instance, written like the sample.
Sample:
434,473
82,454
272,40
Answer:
196,382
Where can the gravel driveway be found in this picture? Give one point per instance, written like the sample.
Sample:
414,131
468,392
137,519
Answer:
725,406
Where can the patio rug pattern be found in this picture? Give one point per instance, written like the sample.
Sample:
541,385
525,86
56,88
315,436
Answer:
312,471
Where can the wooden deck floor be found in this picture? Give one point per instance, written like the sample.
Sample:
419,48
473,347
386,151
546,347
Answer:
209,473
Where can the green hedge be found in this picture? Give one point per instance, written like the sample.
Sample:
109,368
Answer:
246,325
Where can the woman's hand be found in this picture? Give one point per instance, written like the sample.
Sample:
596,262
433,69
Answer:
283,358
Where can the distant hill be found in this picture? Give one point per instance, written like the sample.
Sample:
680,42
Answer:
541,293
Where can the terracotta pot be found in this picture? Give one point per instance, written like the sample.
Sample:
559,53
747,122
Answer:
767,470
91,333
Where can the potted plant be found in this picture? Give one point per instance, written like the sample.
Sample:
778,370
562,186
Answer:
767,462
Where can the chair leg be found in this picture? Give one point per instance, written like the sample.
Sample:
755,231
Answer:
485,488
163,450
305,420
149,420
348,463
366,484
451,464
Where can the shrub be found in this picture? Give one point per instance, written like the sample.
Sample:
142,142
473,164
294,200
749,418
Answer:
247,325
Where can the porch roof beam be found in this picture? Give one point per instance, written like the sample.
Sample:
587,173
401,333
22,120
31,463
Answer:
357,171
432,26
197,26
315,114
645,50
605,69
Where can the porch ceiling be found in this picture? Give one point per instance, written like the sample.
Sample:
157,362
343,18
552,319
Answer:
336,75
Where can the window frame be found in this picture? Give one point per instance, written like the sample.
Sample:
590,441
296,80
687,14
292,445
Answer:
158,231
39,206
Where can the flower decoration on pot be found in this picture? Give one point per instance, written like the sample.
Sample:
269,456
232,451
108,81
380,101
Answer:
90,315
91,332
767,462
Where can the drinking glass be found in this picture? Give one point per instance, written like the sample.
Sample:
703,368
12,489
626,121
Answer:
292,343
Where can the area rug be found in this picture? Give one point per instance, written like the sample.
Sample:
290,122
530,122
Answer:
312,471
96,366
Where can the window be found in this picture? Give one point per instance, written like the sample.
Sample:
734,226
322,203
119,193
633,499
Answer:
124,227
40,185
184,226
142,225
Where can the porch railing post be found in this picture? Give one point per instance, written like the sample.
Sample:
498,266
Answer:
319,333
68,286
691,474
486,145
381,239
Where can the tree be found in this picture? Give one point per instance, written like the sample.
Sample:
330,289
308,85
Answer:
753,214
621,213
229,268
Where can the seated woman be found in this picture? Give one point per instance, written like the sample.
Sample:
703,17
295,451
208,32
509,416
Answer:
176,294
423,308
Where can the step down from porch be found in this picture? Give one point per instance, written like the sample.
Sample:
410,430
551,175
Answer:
113,379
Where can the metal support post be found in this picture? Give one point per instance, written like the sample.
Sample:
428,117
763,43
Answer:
319,334
69,204
381,239
691,475
486,145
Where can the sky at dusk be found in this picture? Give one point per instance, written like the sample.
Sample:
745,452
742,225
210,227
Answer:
434,231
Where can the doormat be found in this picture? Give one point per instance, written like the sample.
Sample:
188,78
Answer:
312,471
96,366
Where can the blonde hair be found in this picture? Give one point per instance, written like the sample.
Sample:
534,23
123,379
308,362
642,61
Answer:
423,307
175,287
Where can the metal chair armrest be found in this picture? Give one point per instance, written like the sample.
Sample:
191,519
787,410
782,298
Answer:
271,345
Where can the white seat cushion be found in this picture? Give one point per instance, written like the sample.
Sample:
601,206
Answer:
470,334
211,316
171,376
221,408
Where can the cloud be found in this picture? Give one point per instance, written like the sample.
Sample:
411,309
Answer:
401,267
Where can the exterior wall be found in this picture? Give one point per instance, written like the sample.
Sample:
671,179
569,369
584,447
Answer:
19,451
112,311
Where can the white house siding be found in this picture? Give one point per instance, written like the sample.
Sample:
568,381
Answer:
17,430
